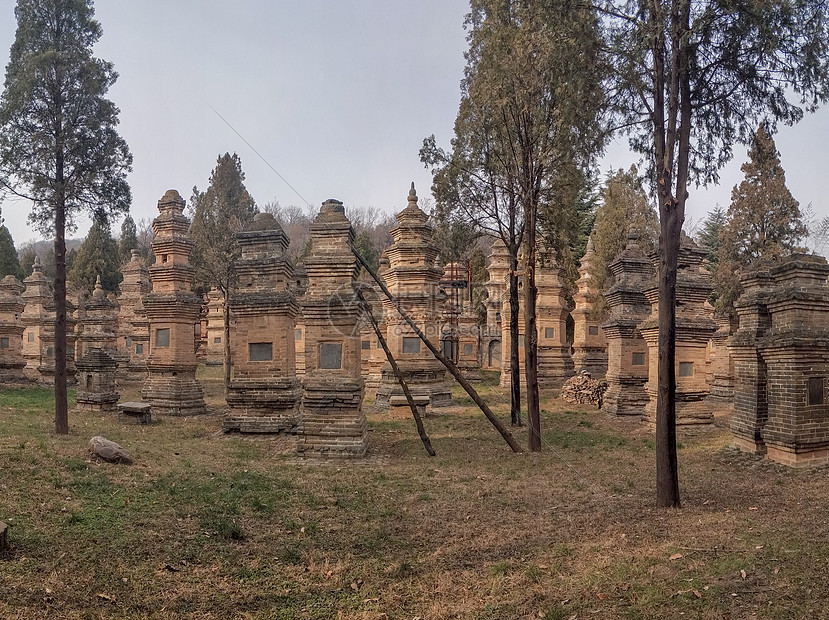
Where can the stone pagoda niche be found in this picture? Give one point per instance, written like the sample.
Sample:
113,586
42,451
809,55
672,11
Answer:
215,329
12,362
97,323
332,422
627,351
133,328
263,395
780,401
96,381
589,342
695,325
555,363
414,280
173,312
39,329
497,289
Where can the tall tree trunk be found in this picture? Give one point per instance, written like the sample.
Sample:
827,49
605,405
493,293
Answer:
667,478
61,402
530,333
514,364
226,325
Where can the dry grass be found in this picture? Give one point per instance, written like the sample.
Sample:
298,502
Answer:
206,525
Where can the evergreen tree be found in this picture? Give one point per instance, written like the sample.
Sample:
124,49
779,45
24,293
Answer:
218,214
128,240
58,141
763,219
97,256
624,205
709,236
9,261
27,258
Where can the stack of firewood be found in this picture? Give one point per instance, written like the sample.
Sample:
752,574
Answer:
582,389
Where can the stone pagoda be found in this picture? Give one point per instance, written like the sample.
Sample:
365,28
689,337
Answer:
780,402
506,340
263,395
695,325
96,381
12,362
589,342
332,422
215,328
627,351
414,280
38,319
555,363
497,289
133,327
97,323
750,376
172,311
469,343
720,375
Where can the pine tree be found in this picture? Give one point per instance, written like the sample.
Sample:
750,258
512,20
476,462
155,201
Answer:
9,261
763,220
128,240
624,205
97,256
58,142
218,214
709,236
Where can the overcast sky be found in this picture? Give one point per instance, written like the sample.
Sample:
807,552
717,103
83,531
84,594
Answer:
336,96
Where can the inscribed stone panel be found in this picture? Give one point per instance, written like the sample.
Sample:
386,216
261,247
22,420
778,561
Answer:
260,351
331,355
411,345
162,337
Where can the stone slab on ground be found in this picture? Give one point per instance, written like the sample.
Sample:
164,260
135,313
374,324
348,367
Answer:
142,412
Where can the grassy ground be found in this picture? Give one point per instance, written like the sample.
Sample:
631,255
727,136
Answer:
206,525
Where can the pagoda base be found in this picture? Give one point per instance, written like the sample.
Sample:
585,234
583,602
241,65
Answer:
174,393
627,398
98,402
423,382
262,406
331,421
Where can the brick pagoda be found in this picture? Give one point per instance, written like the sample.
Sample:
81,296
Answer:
695,326
589,342
414,280
627,351
332,422
12,362
133,327
173,312
263,395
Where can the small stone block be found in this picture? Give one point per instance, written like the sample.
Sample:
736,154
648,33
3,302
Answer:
4,541
142,412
